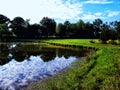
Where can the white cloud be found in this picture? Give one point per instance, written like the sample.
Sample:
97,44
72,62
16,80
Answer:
98,14
90,16
97,2
103,15
112,13
37,9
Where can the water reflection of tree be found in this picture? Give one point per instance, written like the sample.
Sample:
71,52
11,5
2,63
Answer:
70,52
3,54
20,56
48,54
22,52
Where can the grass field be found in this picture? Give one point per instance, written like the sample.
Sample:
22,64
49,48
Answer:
99,71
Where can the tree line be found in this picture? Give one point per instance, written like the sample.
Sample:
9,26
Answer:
48,28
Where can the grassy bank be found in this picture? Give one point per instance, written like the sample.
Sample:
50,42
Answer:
100,70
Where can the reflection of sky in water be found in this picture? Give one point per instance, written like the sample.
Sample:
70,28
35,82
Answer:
14,75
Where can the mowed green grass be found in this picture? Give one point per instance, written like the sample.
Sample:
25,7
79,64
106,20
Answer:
99,71
70,41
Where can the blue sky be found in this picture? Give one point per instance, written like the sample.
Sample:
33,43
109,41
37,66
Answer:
61,10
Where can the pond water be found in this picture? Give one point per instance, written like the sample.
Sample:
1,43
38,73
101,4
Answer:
21,64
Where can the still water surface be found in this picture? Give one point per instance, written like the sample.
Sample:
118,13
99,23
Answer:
21,64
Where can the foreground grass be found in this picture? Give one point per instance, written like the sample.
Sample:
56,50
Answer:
99,71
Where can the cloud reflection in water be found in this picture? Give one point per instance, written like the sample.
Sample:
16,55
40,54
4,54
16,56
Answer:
15,75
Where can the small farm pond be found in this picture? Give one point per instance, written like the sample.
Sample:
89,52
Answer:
23,63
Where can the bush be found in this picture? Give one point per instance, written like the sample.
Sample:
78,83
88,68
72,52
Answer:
104,35
91,41
112,42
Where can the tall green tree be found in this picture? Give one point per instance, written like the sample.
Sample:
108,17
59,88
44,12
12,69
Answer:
48,26
80,28
18,26
18,22
105,33
4,19
4,27
73,28
60,30
97,23
89,30
5,33
117,27
34,31
67,28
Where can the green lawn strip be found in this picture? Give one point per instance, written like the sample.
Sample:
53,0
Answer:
104,75
100,70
